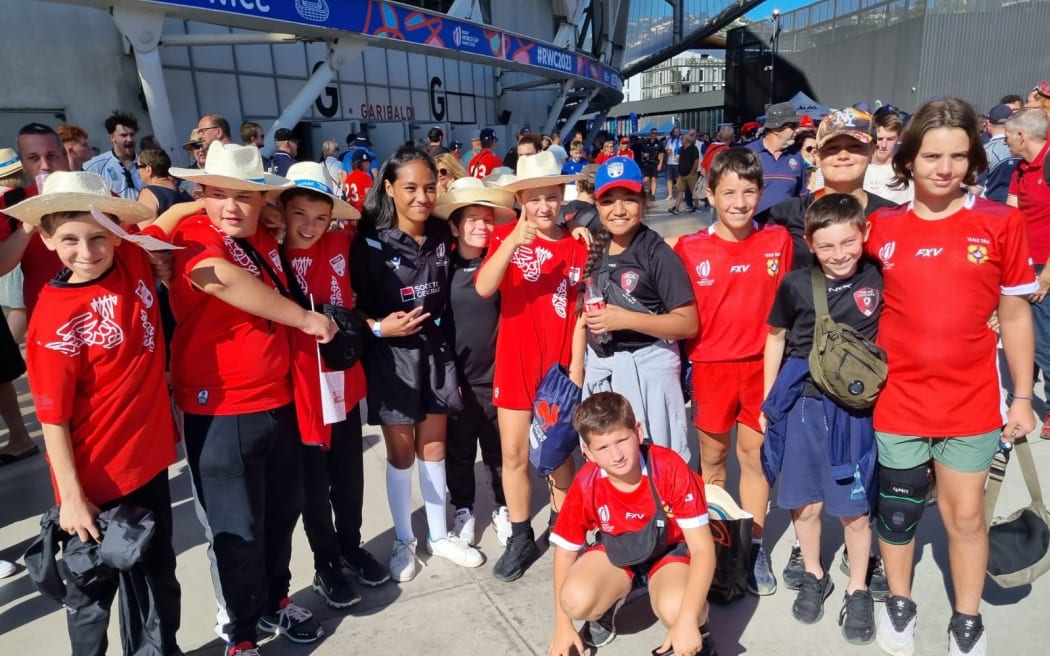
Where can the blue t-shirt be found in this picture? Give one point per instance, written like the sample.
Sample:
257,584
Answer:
782,177
572,168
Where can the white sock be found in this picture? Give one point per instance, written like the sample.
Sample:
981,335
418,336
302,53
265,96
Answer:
432,485
399,496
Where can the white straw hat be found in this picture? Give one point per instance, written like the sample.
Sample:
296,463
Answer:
465,192
500,177
77,191
315,177
229,166
539,170
9,162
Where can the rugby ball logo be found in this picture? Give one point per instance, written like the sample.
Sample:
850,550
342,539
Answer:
703,269
312,10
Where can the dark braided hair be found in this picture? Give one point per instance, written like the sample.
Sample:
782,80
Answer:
599,245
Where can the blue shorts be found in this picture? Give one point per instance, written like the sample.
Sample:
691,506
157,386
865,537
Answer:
805,475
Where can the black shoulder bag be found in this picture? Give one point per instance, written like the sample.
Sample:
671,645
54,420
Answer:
642,546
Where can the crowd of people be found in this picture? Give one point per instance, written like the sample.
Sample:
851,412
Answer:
466,277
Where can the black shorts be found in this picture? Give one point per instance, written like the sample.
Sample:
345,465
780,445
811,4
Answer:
11,363
649,171
410,378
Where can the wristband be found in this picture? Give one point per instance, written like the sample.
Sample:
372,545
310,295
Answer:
1022,398
377,330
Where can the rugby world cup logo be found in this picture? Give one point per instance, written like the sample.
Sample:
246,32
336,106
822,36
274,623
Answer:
703,269
886,252
457,36
312,10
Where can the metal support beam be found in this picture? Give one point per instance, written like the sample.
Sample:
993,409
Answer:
531,84
597,127
142,28
339,53
237,39
465,9
559,104
577,113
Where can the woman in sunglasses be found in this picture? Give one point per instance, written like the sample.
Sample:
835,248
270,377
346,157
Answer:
449,170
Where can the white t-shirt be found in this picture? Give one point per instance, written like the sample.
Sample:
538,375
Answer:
671,148
877,181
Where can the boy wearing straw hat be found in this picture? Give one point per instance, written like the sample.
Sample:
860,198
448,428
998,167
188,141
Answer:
471,323
96,362
231,376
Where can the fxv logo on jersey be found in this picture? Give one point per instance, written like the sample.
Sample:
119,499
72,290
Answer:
739,268
929,252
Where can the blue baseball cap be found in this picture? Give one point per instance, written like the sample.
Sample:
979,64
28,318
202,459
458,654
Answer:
488,134
620,172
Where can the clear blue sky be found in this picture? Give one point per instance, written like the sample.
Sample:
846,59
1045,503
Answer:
765,10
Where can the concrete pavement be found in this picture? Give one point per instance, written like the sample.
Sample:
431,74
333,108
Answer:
449,610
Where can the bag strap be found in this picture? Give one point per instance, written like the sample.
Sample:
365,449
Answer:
294,289
820,293
647,454
996,473
260,261
1031,478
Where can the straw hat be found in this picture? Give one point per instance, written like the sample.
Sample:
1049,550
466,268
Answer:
539,170
465,192
315,177
500,177
77,191
229,166
194,139
9,162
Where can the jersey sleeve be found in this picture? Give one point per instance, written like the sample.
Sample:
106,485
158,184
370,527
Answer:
498,236
681,489
365,250
671,279
1018,274
198,243
51,365
570,530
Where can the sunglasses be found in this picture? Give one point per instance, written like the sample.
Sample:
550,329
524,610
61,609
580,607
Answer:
140,166
809,149
442,171
197,145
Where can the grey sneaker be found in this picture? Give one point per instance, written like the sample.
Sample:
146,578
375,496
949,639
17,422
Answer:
793,571
857,618
761,581
602,631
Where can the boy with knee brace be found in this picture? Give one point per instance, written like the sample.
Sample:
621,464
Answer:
650,512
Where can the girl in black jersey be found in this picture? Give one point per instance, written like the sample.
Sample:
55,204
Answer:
649,305
400,269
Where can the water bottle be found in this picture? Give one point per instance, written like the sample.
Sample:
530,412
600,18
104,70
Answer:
592,302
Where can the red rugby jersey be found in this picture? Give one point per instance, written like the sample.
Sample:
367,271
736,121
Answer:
943,280
735,284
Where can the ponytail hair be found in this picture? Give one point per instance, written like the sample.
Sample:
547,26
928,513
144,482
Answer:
379,210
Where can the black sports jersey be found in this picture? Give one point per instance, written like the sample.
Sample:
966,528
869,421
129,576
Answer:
856,301
390,272
471,323
791,212
650,152
652,274
688,156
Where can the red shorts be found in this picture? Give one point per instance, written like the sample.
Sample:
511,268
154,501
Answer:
726,393
678,554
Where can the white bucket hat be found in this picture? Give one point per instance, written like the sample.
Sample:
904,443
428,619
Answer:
9,162
77,191
229,166
315,177
465,192
500,177
539,170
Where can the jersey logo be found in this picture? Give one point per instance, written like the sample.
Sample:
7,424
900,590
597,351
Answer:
772,266
631,515
149,333
867,300
335,293
704,269
275,257
793,163
419,291
338,265
530,261
977,254
145,294
90,329
929,252
886,252
629,280
239,255
559,300
300,265
574,275
394,263
739,268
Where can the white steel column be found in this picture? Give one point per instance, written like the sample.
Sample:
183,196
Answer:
577,113
339,52
559,104
142,27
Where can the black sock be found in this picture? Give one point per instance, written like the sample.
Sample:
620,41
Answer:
520,528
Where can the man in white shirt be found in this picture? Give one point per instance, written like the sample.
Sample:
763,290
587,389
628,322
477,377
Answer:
880,177
672,147
118,166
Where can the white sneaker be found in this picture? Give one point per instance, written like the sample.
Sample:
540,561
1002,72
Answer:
455,550
501,521
896,631
403,562
463,525
7,568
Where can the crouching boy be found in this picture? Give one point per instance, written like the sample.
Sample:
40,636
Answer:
95,358
651,516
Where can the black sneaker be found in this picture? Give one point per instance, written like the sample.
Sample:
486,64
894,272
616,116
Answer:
809,604
708,648
795,568
966,636
875,579
521,551
600,632
368,570
334,586
857,618
293,622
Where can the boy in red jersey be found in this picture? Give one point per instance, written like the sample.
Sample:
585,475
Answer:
942,407
96,365
616,494
737,268
359,181
486,161
231,375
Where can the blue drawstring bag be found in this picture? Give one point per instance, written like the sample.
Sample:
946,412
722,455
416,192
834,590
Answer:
552,439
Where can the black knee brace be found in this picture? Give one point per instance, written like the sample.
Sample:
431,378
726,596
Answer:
902,500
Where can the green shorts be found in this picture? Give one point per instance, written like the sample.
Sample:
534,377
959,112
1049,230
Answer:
966,454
